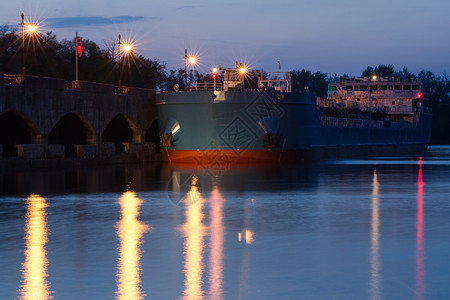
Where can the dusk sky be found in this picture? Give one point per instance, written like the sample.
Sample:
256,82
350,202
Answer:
329,36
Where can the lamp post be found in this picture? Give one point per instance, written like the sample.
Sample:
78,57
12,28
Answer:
31,29
127,48
192,60
23,46
242,74
214,76
185,67
120,63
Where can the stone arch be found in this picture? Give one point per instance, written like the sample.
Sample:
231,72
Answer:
16,128
152,135
72,129
120,130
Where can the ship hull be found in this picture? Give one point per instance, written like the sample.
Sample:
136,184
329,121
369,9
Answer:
261,127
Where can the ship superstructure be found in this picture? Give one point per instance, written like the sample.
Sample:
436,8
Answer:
398,99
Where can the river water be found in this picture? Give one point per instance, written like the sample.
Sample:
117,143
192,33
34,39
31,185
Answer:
351,229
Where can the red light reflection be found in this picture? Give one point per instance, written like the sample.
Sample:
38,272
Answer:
420,265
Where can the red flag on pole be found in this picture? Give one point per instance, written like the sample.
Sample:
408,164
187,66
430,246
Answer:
80,47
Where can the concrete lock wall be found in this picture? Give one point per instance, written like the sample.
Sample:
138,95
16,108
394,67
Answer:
45,103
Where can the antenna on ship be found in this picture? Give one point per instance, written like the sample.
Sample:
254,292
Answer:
279,66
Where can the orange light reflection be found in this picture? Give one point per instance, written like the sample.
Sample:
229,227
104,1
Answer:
130,231
375,292
34,269
245,235
217,239
194,232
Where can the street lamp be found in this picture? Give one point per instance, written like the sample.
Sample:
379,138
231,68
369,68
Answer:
127,49
214,76
32,29
242,73
192,61
242,69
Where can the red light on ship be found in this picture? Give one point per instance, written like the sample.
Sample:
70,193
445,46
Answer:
419,95
214,74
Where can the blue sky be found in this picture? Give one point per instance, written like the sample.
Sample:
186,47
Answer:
332,36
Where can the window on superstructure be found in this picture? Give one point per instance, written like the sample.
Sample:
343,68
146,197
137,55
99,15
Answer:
349,87
373,87
398,87
391,87
382,87
406,87
356,87
331,88
416,87
364,87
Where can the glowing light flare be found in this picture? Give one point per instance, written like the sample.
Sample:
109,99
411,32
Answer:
242,70
192,60
130,232
34,271
374,77
127,47
419,95
32,28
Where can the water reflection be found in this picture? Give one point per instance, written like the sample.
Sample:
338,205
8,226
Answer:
420,265
34,269
196,247
375,292
246,236
194,231
217,239
130,231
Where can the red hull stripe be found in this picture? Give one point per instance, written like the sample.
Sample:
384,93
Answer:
221,156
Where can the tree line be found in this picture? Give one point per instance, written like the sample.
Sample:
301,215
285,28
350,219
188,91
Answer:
46,56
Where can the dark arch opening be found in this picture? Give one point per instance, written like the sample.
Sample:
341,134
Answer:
72,130
121,130
152,135
16,128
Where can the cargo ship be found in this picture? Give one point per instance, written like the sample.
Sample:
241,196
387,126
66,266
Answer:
255,117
